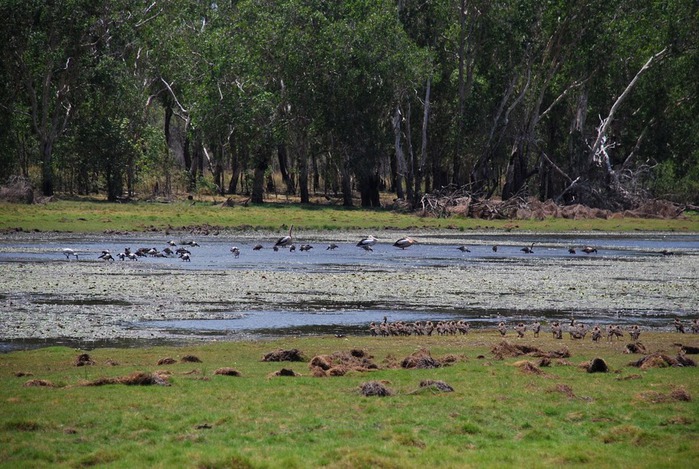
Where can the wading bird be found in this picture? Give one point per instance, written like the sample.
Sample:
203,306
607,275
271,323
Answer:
235,251
69,252
528,249
405,243
368,241
589,250
285,241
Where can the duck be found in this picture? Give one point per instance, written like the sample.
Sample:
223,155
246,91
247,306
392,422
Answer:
528,249
589,250
257,247
332,247
463,249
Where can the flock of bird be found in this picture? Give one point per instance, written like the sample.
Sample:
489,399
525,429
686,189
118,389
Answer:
285,242
576,330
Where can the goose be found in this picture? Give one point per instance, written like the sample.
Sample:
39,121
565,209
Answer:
589,250
463,249
105,253
366,247
495,248
405,243
571,250
368,241
69,252
332,247
172,243
305,247
292,248
236,251
528,249
186,257
257,247
285,241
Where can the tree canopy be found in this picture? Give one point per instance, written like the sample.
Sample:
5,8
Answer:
583,101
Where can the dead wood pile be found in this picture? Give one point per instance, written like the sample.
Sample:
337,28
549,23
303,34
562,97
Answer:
458,201
18,190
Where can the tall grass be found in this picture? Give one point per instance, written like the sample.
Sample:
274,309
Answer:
498,416
95,216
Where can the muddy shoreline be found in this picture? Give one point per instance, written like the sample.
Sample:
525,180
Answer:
58,301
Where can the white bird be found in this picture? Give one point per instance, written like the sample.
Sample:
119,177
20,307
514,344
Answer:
186,257
69,252
368,241
235,251
285,241
404,243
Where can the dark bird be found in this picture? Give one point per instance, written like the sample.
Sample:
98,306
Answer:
104,254
366,247
589,250
571,250
528,249
495,248
305,247
405,243
463,249
235,251
332,247
665,252
185,256
368,241
285,241
292,248
257,247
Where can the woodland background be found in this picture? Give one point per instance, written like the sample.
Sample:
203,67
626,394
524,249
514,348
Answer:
579,101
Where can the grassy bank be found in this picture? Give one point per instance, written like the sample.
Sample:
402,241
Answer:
499,415
91,216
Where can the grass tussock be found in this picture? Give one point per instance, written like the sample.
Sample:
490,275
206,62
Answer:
138,378
83,360
436,384
340,363
375,388
227,371
678,394
284,372
190,359
421,359
39,383
506,349
166,361
661,360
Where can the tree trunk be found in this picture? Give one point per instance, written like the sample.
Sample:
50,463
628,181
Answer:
398,166
346,180
47,168
258,181
286,175
302,162
420,166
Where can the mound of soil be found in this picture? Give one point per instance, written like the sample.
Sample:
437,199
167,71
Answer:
563,389
292,355
679,394
375,388
636,347
660,360
597,365
505,349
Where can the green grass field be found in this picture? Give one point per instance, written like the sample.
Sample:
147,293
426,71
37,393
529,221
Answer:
498,415
95,216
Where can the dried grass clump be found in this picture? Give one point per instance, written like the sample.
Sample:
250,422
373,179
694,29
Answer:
421,359
636,347
505,350
340,363
167,361
39,383
293,355
436,384
679,394
660,360
111,362
563,389
525,366
285,372
227,371
137,378
83,360
190,359
450,359
374,388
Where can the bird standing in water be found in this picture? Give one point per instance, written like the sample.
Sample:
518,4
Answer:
285,241
367,242
404,243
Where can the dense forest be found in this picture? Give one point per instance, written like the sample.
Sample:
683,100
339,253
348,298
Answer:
579,101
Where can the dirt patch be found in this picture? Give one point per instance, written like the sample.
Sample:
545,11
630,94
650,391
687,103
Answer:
292,355
678,394
563,389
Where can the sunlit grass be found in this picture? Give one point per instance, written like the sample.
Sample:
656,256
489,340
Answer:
498,416
92,216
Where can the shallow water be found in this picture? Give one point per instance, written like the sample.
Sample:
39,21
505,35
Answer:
269,294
